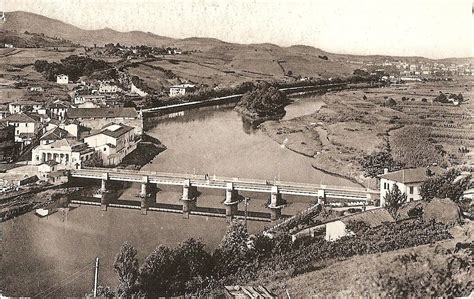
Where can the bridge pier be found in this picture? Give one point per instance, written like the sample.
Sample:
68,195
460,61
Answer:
231,202
188,198
104,200
276,204
144,195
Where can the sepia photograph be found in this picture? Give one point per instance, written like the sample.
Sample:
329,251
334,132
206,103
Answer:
242,149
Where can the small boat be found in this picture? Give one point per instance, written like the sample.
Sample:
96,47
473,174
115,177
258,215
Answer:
43,212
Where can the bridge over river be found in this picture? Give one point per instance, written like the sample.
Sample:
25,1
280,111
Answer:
190,182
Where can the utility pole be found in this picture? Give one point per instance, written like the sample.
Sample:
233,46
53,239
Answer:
246,211
96,276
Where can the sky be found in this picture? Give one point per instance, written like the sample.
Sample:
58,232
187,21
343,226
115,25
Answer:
430,28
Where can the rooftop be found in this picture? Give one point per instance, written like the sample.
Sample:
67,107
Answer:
412,175
56,134
113,130
23,118
124,112
374,217
186,85
66,145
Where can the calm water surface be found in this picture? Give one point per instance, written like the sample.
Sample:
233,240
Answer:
39,253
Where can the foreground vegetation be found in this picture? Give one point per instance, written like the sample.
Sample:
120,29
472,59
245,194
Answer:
190,269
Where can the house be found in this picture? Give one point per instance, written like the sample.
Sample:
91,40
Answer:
72,126
100,117
36,88
45,168
108,87
69,154
58,177
62,79
92,98
4,114
22,105
58,109
56,134
181,89
7,143
337,229
247,292
27,126
408,181
112,143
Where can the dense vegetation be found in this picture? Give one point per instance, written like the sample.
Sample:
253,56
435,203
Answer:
449,185
190,269
443,98
74,66
264,100
201,94
448,275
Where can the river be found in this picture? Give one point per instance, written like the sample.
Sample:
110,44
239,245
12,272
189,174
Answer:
39,253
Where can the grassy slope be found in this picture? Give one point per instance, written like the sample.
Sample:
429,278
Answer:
347,278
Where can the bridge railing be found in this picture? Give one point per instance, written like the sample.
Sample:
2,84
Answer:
237,180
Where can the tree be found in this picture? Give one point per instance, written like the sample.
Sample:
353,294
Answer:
192,264
156,273
449,185
375,163
233,253
394,199
126,267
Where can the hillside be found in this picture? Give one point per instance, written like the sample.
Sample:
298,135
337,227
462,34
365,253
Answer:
20,21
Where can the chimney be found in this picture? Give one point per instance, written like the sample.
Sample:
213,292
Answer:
385,170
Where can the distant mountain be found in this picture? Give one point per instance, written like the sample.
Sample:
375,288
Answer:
20,22
299,59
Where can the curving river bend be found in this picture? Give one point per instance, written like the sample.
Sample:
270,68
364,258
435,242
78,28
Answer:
39,253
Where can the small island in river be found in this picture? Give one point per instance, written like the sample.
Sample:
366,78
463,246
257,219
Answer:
264,102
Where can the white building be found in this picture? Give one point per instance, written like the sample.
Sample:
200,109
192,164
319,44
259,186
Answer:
338,228
181,89
17,107
108,87
67,153
112,143
45,168
27,126
62,79
408,181
90,98
37,88
58,109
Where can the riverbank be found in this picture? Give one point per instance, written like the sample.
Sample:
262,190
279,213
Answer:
147,149
357,123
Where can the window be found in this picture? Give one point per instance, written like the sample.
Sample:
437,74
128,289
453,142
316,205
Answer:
411,189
